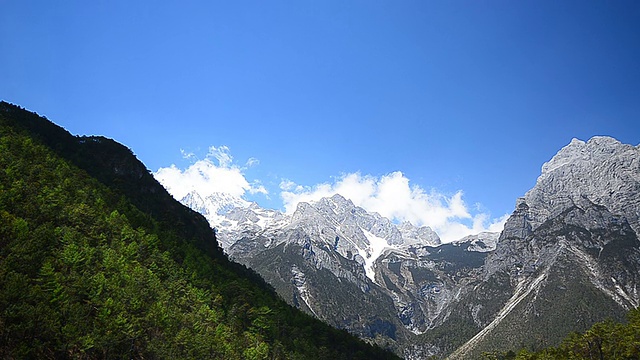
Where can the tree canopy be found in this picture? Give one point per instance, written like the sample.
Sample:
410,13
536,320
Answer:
604,340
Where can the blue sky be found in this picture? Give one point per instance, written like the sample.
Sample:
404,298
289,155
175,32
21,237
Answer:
460,97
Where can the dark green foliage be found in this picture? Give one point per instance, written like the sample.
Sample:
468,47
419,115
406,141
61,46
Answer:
97,261
543,322
604,340
115,166
563,253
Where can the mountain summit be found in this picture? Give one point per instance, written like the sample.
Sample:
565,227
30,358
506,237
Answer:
569,255
601,170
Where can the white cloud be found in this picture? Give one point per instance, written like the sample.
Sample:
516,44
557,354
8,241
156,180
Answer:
392,196
207,177
252,162
187,155
222,154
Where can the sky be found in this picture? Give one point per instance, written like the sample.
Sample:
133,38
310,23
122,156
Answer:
436,112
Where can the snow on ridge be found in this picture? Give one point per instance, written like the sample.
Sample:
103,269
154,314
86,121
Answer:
376,246
300,282
481,242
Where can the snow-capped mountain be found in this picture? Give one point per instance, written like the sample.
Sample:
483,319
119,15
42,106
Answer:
354,233
350,229
568,256
232,216
214,204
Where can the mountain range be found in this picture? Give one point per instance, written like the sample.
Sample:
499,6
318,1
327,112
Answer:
568,257
97,260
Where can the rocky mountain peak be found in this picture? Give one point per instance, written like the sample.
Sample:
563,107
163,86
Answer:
420,235
572,236
603,170
482,242
586,190
581,151
214,204
337,202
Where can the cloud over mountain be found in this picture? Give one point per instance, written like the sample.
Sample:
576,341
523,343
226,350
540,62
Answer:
216,173
393,196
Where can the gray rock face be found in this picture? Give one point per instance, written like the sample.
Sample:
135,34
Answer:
482,242
572,239
600,177
577,268
602,170
426,280
421,235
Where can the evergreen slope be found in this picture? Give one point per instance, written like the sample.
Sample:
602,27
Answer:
604,340
98,261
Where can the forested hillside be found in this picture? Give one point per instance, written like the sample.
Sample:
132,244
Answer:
604,340
98,261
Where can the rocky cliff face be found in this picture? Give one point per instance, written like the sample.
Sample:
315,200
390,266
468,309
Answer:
332,242
575,269
602,170
568,256
591,187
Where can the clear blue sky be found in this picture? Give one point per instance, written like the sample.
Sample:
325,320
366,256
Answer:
457,95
